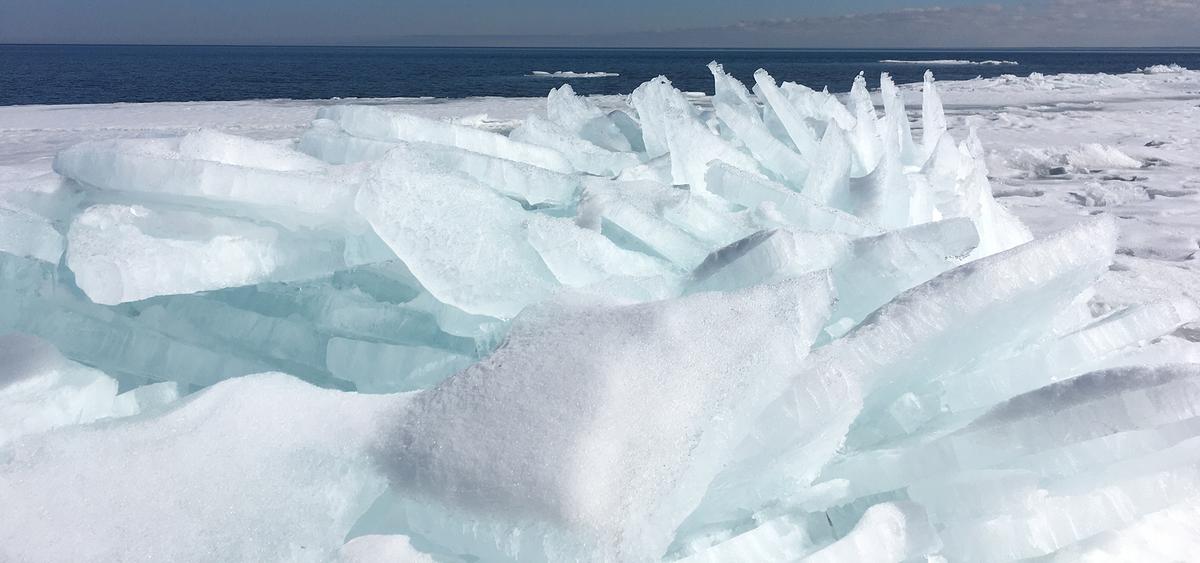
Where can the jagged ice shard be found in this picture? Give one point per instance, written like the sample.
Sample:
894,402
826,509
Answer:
773,328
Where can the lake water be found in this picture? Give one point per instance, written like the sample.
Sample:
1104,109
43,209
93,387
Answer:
71,74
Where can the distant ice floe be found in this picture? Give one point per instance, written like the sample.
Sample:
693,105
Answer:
571,74
1163,69
948,62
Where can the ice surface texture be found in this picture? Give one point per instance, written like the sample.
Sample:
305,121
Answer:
773,327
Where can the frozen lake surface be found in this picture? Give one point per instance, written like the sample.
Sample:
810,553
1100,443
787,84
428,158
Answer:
956,319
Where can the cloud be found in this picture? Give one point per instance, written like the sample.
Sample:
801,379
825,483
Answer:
1037,23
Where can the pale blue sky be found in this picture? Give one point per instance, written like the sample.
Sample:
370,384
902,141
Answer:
697,23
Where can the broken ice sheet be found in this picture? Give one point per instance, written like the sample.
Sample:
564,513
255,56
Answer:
776,328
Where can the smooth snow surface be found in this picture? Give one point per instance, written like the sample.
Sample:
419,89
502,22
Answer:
772,324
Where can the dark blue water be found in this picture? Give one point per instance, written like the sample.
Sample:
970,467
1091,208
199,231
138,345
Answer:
62,74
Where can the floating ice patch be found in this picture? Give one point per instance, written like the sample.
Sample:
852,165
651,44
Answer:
1162,69
570,74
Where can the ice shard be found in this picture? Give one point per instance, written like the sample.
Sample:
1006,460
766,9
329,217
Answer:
374,123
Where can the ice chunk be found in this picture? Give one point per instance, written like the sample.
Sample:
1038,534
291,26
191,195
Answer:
374,123
785,538
999,229
631,214
670,120
1171,534
386,368
582,154
578,115
933,117
154,169
881,267
1095,156
25,234
799,131
41,390
896,132
829,181
893,532
125,253
581,258
207,144
800,432
1069,355
978,293
892,199
376,549
795,209
146,399
197,482
464,242
735,108
656,101
577,421
41,300
527,183
866,140
768,256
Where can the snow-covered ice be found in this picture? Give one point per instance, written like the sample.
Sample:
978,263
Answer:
946,321
948,62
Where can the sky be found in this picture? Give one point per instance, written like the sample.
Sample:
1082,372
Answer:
610,23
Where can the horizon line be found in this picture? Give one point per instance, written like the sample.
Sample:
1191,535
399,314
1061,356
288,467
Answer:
595,48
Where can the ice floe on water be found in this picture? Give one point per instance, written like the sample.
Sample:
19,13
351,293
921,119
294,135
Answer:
948,62
771,324
1162,69
571,74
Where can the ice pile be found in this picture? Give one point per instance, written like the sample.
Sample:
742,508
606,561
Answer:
772,326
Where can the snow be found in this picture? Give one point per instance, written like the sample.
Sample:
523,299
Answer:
602,379
201,481
768,324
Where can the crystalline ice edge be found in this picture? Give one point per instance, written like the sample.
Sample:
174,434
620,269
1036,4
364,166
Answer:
776,328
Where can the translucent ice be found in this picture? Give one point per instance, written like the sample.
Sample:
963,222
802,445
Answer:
40,389
892,532
670,124
583,154
126,253
155,169
739,112
530,184
766,325
374,123
581,117
799,131
25,234
447,229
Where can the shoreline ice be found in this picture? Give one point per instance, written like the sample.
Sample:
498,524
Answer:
605,328
948,62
